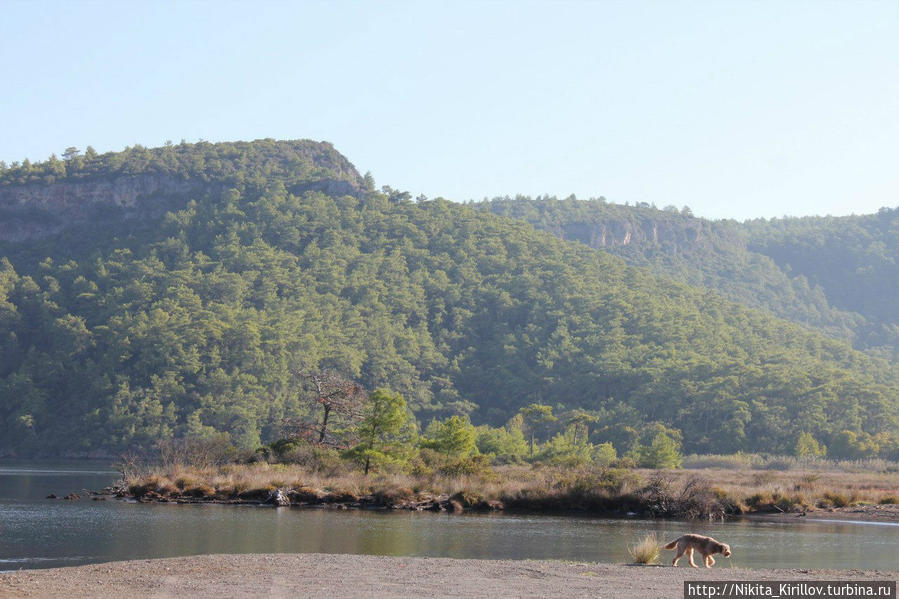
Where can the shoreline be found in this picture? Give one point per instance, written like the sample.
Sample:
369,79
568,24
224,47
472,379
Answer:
345,575
864,513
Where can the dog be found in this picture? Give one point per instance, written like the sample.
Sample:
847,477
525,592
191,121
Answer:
705,546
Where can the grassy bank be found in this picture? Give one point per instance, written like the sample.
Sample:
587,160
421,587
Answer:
682,493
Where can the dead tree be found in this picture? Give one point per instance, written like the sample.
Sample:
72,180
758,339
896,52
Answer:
337,396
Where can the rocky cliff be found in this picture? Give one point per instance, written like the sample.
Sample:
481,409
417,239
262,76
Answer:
39,200
35,210
620,233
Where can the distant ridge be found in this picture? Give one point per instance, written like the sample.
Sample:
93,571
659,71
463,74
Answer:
837,275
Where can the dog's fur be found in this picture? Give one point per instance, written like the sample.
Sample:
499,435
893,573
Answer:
705,546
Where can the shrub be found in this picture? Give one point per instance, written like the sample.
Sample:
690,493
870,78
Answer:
808,447
729,503
624,463
663,452
604,454
153,484
199,452
454,437
420,467
305,494
477,464
647,551
830,499
505,446
730,462
469,498
694,499
782,464
314,458
888,500
392,495
789,504
199,490
183,482
761,502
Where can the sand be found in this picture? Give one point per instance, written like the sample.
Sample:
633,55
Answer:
337,576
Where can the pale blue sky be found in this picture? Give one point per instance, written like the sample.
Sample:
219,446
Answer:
737,109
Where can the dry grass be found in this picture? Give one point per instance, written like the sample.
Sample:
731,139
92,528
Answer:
647,551
791,490
752,461
684,493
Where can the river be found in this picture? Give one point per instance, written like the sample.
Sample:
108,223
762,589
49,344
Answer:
36,532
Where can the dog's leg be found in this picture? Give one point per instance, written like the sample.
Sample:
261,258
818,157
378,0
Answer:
690,555
680,554
709,561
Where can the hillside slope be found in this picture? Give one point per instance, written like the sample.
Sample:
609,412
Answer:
853,259
121,331
783,266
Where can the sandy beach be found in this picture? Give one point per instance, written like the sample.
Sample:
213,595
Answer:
338,576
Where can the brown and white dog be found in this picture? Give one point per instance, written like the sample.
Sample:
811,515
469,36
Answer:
705,546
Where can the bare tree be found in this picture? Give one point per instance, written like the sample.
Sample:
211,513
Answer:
334,395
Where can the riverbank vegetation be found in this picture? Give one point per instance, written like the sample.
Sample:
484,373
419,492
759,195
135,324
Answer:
685,494
385,462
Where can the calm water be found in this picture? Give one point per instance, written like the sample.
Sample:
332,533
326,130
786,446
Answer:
37,533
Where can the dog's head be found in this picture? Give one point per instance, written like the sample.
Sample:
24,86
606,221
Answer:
725,549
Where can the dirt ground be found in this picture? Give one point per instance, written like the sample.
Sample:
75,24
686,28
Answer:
338,576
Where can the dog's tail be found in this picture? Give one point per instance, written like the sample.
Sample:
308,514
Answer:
671,545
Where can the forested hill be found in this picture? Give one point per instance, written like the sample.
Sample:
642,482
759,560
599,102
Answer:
853,259
117,331
838,275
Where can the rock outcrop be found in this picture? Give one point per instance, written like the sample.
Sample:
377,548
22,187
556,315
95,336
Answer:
40,210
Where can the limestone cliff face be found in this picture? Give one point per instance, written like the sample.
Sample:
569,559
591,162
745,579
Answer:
68,199
39,210
621,233
41,199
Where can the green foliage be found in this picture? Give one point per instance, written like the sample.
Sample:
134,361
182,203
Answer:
384,432
316,458
466,466
835,274
808,447
535,417
231,164
504,445
117,333
604,454
454,437
851,259
663,452
567,449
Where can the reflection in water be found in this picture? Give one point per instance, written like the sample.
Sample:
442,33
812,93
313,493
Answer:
36,532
